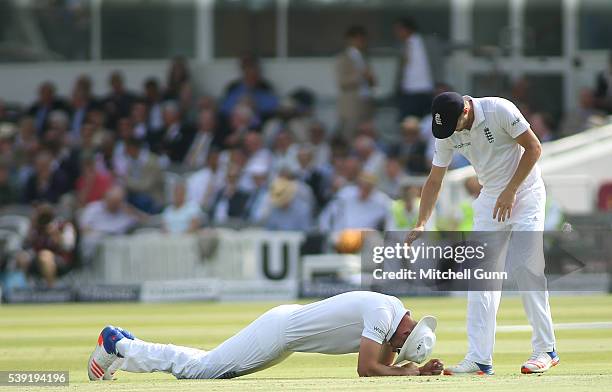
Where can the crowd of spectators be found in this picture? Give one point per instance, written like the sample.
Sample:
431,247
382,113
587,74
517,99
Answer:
96,165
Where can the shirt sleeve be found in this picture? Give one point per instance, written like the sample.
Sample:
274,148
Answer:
377,325
510,118
443,153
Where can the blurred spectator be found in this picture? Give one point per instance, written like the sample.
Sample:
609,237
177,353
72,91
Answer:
462,218
541,123
603,89
404,211
205,138
287,212
310,174
355,81
241,121
187,104
153,99
284,151
252,87
257,156
411,149
110,216
178,75
318,140
181,216
144,179
47,102
256,206
47,182
93,183
139,117
295,114
175,138
118,102
360,206
414,82
9,191
585,116
49,249
230,201
372,159
79,108
203,184
391,177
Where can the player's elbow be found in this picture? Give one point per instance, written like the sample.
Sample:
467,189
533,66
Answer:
365,371
535,148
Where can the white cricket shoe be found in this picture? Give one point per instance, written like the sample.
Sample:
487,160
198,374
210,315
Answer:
539,362
469,368
104,360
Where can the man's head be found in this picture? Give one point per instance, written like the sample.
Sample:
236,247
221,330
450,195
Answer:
414,340
116,82
151,89
450,113
114,199
132,147
366,183
46,93
411,129
404,28
357,37
171,113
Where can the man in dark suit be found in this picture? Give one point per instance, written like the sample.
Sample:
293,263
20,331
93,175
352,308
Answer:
230,201
119,102
46,103
175,138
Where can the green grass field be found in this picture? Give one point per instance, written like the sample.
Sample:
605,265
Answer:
60,337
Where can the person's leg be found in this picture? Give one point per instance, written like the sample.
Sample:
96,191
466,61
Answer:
47,267
256,347
483,305
526,262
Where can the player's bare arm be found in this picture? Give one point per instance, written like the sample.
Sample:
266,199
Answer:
369,365
533,149
429,196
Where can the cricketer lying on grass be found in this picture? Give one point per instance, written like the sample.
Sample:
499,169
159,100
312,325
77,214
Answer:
376,326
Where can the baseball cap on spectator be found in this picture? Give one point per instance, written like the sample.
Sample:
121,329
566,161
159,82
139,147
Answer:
445,110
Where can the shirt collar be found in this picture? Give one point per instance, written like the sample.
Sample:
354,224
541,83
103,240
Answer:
478,112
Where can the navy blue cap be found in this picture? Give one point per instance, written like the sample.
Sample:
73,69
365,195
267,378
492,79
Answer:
445,111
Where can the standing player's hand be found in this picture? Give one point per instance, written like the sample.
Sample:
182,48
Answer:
503,207
414,234
432,368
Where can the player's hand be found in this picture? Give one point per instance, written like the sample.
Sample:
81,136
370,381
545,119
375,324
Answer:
414,234
411,369
503,206
433,367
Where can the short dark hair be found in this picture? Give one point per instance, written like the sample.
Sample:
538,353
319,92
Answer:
407,23
355,31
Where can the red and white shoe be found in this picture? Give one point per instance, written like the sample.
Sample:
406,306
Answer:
539,362
105,360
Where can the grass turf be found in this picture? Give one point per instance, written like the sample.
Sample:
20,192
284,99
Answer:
60,337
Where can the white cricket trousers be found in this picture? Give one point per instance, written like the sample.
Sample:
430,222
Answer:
259,345
523,257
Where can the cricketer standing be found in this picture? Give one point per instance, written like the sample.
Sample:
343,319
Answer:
497,140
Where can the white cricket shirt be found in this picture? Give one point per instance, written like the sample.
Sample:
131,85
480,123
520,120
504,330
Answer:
336,325
489,145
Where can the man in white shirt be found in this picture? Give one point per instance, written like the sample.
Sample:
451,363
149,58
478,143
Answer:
376,326
415,81
499,143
